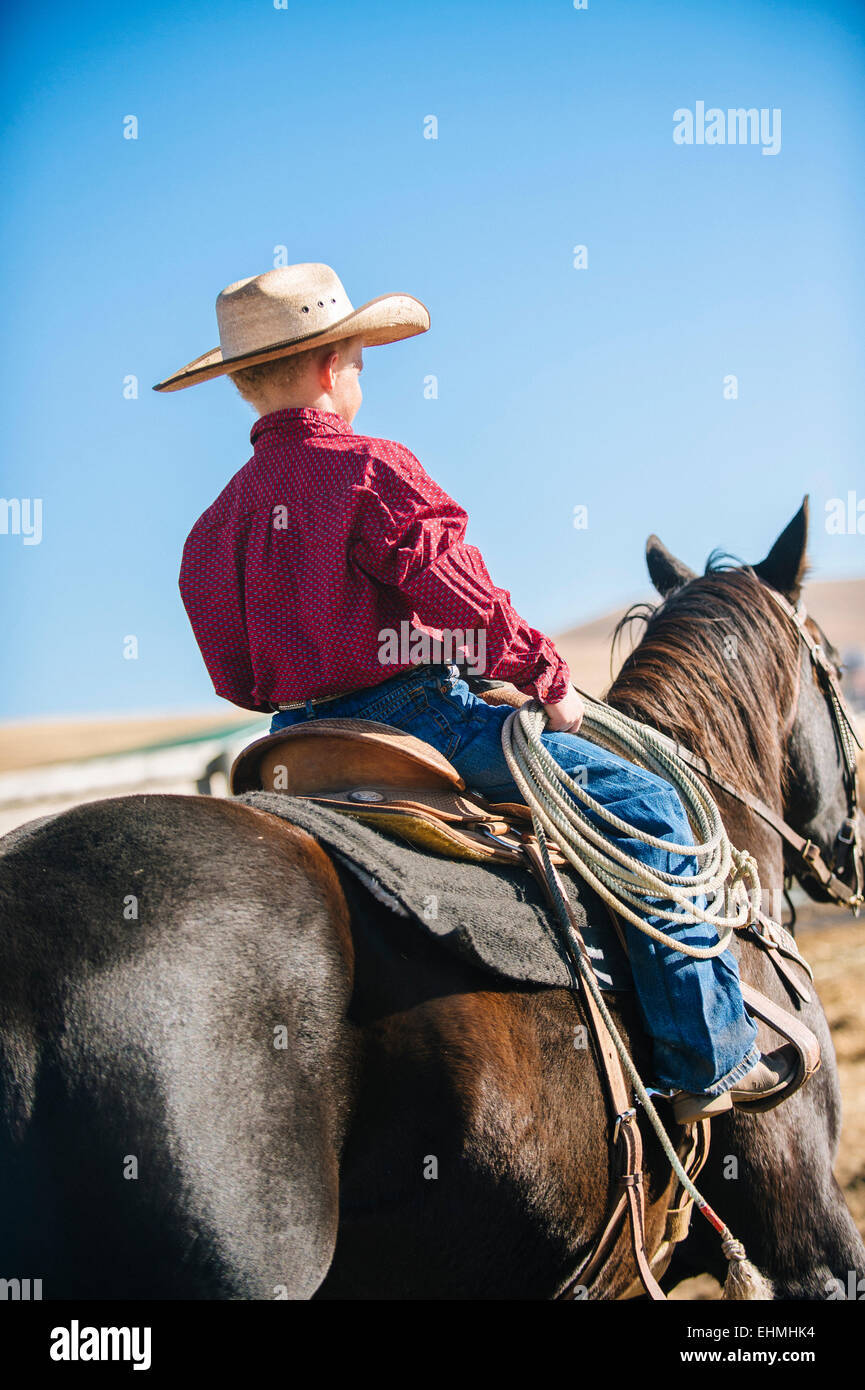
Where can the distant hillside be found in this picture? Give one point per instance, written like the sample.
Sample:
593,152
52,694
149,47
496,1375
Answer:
39,743
838,605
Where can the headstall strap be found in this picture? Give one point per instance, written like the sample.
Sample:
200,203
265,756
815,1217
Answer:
848,841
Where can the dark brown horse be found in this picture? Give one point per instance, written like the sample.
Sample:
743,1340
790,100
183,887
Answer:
227,1072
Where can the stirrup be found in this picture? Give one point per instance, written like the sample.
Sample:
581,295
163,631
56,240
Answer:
691,1106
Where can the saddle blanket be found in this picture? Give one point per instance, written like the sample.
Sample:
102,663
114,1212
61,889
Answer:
494,915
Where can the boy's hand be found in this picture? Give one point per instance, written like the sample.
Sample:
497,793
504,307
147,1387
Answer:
567,716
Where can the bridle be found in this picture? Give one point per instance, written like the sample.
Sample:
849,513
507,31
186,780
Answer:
848,842
847,847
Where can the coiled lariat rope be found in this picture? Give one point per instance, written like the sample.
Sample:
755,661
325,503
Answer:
729,878
625,884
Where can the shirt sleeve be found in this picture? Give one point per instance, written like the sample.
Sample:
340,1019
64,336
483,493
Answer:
411,537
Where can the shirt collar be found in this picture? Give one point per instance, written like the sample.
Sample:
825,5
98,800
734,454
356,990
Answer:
294,419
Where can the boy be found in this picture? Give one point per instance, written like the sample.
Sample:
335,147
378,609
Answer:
327,541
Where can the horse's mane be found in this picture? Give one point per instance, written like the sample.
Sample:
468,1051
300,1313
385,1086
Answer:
715,665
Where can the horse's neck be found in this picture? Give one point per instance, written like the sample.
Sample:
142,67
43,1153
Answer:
745,829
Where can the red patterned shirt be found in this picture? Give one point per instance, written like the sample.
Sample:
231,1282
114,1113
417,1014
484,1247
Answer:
323,542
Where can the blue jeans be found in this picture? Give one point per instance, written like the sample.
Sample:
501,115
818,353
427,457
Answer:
703,1040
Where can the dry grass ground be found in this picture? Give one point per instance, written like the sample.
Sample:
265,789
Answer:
39,743
833,942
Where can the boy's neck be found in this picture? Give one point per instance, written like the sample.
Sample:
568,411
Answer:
288,401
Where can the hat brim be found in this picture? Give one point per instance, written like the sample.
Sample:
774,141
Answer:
386,319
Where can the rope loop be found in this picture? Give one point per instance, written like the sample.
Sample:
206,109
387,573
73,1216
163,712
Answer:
590,835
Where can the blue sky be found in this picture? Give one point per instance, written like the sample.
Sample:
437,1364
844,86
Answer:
558,387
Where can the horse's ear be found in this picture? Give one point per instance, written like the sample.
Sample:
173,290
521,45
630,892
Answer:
785,566
665,571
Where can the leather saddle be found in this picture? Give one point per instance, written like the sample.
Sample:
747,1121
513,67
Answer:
390,779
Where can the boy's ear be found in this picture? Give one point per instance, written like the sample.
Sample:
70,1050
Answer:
328,367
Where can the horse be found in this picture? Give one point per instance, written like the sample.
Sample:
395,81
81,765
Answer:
227,1071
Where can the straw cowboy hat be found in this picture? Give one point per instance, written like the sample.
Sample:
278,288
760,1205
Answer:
289,310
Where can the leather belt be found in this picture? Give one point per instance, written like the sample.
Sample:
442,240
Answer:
279,706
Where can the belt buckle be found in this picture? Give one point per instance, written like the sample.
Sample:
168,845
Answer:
850,824
625,1118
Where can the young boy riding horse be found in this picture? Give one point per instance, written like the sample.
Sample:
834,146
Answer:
327,540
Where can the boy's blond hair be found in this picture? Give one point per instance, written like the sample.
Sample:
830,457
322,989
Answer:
283,373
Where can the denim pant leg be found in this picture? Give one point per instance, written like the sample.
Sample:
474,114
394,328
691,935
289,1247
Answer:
693,1009
703,1040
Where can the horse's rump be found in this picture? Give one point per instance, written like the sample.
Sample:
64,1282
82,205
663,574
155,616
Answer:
154,1034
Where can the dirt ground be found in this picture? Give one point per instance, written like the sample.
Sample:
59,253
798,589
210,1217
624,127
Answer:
833,943
42,742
